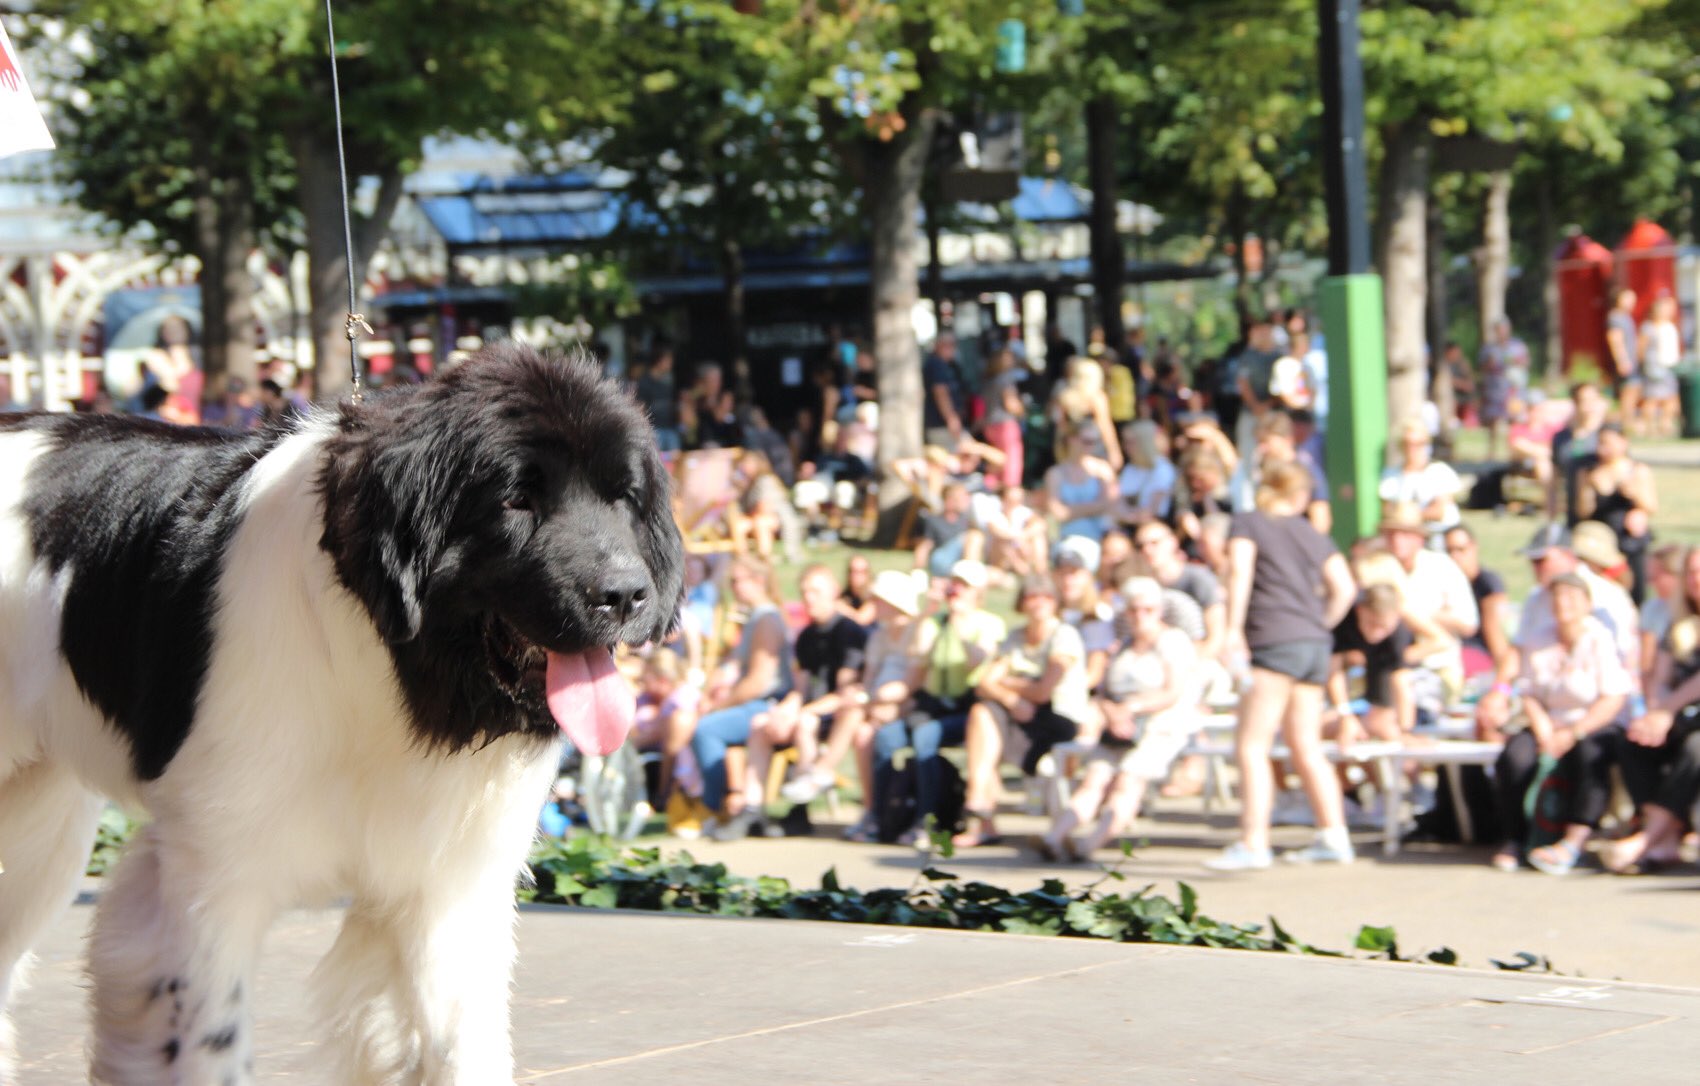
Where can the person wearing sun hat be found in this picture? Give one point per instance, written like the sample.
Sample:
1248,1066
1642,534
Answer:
1438,603
947,651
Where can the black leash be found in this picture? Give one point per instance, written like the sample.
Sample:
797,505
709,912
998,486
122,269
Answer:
356,321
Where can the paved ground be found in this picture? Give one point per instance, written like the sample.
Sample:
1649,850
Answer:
641,998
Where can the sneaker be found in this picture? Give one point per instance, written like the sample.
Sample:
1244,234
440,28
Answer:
1326,849
1291,809
1240,857
805,787
864,829
735,828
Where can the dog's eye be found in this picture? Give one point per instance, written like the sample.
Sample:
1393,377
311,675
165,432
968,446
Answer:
517,503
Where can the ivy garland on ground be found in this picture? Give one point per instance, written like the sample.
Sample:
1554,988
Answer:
594,872
591,871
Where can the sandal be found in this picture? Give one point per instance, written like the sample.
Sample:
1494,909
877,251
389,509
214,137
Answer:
1507,860
1618,860
1557,858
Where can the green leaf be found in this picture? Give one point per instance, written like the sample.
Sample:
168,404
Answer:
1378,940
600,897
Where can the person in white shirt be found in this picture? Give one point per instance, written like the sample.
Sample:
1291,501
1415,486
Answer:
1148,475
1429,484
1551,551
1437,599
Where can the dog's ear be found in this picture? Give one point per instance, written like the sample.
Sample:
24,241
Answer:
387,510
664,550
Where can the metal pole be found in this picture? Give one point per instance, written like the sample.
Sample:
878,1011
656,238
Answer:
1350,298
1343,166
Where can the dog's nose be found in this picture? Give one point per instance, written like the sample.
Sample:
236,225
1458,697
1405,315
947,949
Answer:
620,595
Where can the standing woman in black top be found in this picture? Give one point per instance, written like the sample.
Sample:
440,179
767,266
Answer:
1288,587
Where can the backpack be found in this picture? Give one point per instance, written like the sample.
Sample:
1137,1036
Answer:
895,807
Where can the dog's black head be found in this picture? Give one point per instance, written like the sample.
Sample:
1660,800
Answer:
497,522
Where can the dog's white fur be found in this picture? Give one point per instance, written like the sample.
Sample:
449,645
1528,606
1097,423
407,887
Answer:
299,782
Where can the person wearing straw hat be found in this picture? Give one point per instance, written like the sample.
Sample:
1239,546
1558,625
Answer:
1437,595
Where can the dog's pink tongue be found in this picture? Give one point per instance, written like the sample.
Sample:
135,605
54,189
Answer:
590,700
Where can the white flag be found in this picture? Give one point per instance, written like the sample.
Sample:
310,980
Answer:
21,126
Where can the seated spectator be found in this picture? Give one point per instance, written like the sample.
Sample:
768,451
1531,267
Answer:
1438,599
948,651
758,676
1420,480
1147,481
1665,580
1036,687
1116,563
234,409
944,534
856,601
1551,554
760,436
667,703
1205,493
1573,686
1275,444
1149,711
1619,492
1082,490
1534,424
1659,755
1574,449
889,667
1595,548
826,663
1290,379
1490,643
1080,606
763,513
967,463
1009,534
1157,544
1374,636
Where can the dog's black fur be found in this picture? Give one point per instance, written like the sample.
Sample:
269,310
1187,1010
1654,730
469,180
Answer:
539,461
536,465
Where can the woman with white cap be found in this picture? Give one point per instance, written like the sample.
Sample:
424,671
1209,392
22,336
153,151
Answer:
887,665
948,650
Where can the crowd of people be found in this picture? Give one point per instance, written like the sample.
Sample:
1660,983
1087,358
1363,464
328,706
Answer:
1166,540
1164,535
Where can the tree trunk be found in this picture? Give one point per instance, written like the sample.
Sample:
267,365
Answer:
732,279
935,266
1546,247
1402,227
210,242
236,230
892,188
1493,266
327,264
1440,376
1109,263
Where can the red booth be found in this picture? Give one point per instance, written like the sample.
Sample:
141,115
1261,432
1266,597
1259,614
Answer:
1646,264
1584,270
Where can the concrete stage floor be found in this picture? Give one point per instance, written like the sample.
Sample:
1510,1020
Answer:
642,998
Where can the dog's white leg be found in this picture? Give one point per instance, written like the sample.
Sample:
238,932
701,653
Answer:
47,822
172,959
459,961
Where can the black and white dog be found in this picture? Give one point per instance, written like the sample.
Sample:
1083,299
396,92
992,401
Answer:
329,661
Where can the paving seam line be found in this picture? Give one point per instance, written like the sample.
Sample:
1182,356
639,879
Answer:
667,1050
